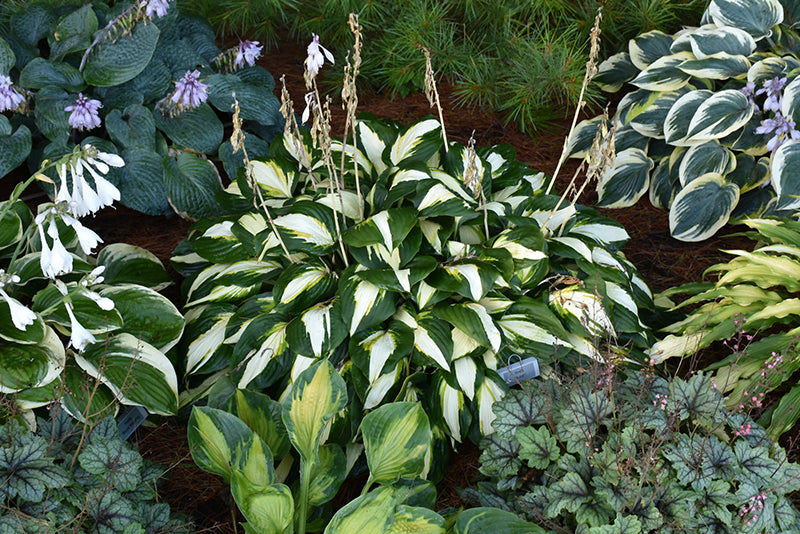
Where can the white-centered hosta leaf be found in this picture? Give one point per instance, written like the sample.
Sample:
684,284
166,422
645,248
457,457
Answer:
271,333
474,320
379,387
432,338
305,228
204,346
489,392
466,372
229,281
702,207
419,141
364,304
586,307
273,180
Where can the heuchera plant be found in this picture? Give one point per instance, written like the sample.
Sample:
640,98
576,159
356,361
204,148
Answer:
709,132
139,80
605,454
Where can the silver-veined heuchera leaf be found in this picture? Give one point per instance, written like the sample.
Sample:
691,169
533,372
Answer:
702,207
396,440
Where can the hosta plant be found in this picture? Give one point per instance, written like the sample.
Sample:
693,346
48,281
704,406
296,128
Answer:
418,271
753,307
67,477
709,129
143,81
68,313
607,454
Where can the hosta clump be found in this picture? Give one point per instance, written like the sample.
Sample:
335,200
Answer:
66,477
143,81
418,276
752,307
709,132
640,454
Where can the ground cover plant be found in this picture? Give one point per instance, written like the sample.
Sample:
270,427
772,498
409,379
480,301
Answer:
708,130
136,79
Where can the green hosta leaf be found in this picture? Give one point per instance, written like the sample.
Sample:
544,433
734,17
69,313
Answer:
372,512
317,395
135,371
308,228
417,143
80,397
14,149
372,350
263,415
483,519
141,182
719,66
114,461
664,74
27,471
389,228
230,282
40,72
396,440
197,129
133,126
191,184
7,57
318,330
786,413
785,180
537,446
416,519
268,509
756,17
614,72
702,207
364,305
648,47
474,320
710,157
147,315
74,32
302,285
719,115
256,102
627,181
128,264
680,116
115,61
215,438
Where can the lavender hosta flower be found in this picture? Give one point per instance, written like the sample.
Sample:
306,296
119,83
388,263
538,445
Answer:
83,113
773,90
21,316
749,91
190,92
79,335
155,8
247,52
83,199
782,128
317,54
10,98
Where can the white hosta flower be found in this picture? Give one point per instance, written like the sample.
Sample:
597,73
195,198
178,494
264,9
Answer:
79,336
317,54
55,259
21,316
83,199
93,278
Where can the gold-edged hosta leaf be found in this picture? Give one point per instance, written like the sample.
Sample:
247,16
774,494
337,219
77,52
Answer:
263,416
676,124
710,157
230,282
474,320
417,143
702,207
719,66
316,396
215,437
266,508
710,40
664,74
307,228
634,103
650,122
372,512
649,47
31,365
364,304
318,330
614,72
263,340
302,285
721,114
416,519
396,439
584,306
756,17
372,350
433,340
388,228
627,181
135,371
274,179
785,178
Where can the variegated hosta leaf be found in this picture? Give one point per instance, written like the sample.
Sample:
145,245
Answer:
263,340
401,280
471,279
263,416
147,314
316,396
274,179
604,232
328,475
676,124
372,138
266,508
708,41
86,310
353,157
452,405
664,74
388,228
379,387
790,102
372,512
396,439
302,285
474,320
318,330
582,137
634,103
307,228
372,350
229,282
205,332
135,371
649,47
650,122
364,304
215,438
416,519
586,307
418,142
132,265
785,176
527,334
756,17
703,159
31,365
491,390
664,185
614,72
722,113
527,248
719,66
625,183
702,207
218,244
438,200
466,372
433,340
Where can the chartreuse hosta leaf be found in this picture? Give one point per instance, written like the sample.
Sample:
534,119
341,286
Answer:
135,371
396,439
268,509
702,207
216,439
263,416
756,17
372,512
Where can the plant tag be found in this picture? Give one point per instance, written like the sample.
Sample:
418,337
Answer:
520,370
129,420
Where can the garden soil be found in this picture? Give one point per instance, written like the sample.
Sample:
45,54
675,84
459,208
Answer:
663,262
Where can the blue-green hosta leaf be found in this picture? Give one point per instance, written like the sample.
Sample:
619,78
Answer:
256,101
133,126
266,508
215,438
702,207
397,437
756,17
586,307
191,184
316,396
147,314
31,365
650,122
40,72
114,461
141,182
129,264
785,179
708,41
263,416
419,142
664,74
28,471
302,285
485,519
722,113
372,512
676,124
719,66
649,47
7,57
388,228
275,179
364,305
318,330
709,157
473,319
627,181
14,149
135,371
74,32
197,129
114,62
230,282
307,228
614,72
372,350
